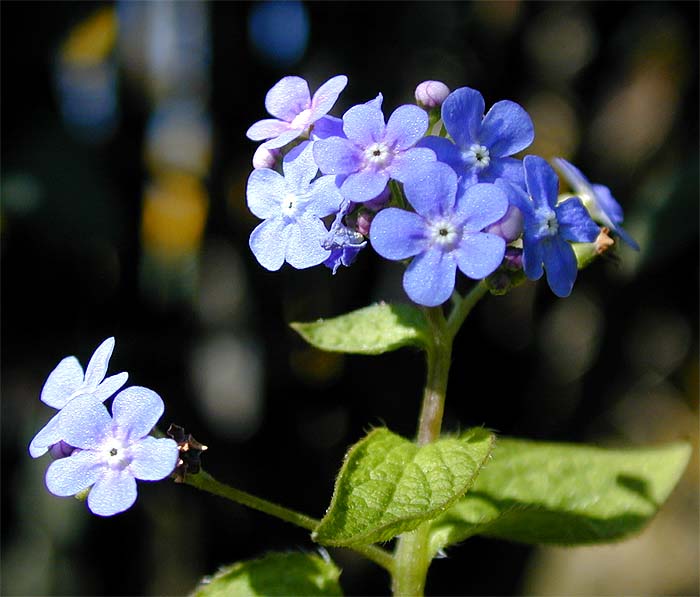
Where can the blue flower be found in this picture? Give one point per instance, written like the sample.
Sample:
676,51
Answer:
444,233
482,144
371,152
549,228
290,102
66,382
598,200
112,452
292,207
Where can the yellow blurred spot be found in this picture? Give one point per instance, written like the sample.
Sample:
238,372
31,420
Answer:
91,41
174,214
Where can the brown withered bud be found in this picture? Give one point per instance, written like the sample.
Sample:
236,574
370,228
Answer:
603,242
190,451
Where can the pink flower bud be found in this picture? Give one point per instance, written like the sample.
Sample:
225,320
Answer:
265,158
510,226
431,94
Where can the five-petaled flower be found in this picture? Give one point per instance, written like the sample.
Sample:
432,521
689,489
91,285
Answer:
112,452
549,227
482,144
292,207
66,382
290,102
444,233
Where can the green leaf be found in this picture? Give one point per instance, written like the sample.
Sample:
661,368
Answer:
563,494
276,574
373,330
389,485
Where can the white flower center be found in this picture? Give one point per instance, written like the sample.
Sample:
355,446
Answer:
443,233
548,225
378,155
302,120
290,205
116,455
477,156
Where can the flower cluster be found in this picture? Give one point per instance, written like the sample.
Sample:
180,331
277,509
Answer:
436,183
93,449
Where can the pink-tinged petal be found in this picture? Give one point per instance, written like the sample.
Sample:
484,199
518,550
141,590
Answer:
408,161
266,129
479,254
326,95
406,126
283,138
336,155
430,278
324,197
462,114
287,98
135,411
364,185
299,167
265,191
541,180
65,379
431,189
113,492
506,129
85,422
72,475
304,247
153,459
110,385
49,435
397,234
480,205
364,125
560,266
575,223
268,242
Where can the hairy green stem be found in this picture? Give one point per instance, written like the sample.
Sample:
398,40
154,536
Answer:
463,307
206,482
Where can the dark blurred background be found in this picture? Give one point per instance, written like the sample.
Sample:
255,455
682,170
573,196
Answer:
124,163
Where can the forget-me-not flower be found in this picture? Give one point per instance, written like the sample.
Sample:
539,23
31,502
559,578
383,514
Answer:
598,200
112,451
66,382
292,207
549,228
444,233
482,144
372,151
290,102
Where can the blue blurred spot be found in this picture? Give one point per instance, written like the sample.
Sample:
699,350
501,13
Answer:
279,31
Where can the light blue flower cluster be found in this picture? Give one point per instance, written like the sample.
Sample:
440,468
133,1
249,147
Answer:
93,449
448,196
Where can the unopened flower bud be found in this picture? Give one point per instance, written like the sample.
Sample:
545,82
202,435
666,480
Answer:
363,220
510,226
431,94
380,201
265,158
513,258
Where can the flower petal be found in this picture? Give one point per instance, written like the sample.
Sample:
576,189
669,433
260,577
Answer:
363,125
68,476
112,493
287,98
575,224
445,151
135,411
328,126
336,155
431,189
153,458
97,367
299,167
480,205
65,379
430,278
574,177
406,126
110,385
268,242
506,129
397,234
532,257
560,264
479,254
265,191
267,129
542,182
462,113
509,169
364,185
283,138
85,422
408,161
326,95
324,197
49,435
607,204
304,247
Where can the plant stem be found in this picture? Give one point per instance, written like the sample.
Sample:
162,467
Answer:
206,482
463,307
